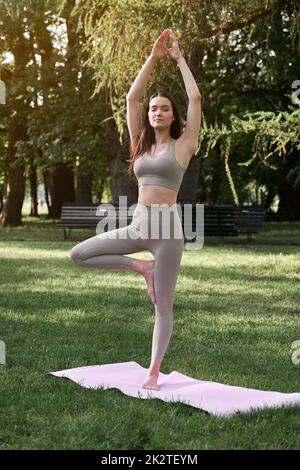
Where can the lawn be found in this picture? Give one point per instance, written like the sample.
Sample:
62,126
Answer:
236,314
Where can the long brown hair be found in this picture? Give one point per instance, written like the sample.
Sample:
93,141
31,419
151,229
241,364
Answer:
143,141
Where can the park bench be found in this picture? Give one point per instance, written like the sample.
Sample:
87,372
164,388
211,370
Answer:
74,215
249,219
224,220
221,220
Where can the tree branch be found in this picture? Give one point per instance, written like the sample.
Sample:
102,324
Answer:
227,26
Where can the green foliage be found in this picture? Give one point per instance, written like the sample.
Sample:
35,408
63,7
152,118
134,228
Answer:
63,122
236,62
274,133
120,40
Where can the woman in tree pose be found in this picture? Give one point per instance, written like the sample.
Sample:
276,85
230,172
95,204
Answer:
160,155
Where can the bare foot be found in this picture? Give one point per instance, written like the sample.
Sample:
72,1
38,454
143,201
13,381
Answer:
146,268
151,383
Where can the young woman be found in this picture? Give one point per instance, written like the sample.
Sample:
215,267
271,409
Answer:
160,154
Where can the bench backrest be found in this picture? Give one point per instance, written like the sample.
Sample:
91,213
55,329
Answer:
222,219
90,214
249,218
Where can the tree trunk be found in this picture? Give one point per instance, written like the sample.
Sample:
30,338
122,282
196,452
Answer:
33,191
58,180
60,188
289,198
46,190
83,185
99,191
121,184
11,214
269,198
216,175
289,204
3,192
48,83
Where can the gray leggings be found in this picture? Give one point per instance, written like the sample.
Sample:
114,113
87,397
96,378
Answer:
156,228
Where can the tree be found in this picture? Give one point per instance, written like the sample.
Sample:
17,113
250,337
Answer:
63,136
13,27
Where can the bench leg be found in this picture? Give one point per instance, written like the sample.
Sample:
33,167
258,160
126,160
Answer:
67,233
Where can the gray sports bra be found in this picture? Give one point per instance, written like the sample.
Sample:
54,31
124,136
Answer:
159,170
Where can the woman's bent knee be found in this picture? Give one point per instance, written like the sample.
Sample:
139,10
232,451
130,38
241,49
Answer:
75,255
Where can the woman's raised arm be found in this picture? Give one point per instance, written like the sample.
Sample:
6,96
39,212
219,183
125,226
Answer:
190,136
134,119
138,88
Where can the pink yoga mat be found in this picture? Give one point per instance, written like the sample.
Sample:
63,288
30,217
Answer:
215,398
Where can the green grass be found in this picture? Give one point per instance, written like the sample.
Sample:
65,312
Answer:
236,313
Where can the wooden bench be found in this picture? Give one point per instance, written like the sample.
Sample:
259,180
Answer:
74,215
249,219
221,220
224,220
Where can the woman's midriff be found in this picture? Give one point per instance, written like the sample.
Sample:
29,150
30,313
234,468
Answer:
156,195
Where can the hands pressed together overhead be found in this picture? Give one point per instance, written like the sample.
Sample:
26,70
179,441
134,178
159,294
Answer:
160,49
